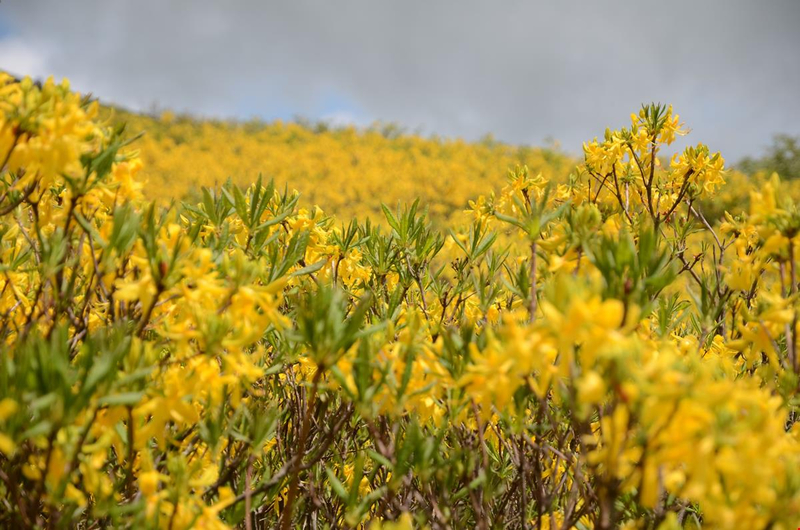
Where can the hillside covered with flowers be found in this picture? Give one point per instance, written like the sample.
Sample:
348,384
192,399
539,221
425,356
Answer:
584,347
344,170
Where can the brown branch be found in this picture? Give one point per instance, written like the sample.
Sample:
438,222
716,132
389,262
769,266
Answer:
286,518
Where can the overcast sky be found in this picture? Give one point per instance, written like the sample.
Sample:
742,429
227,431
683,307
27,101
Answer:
523,71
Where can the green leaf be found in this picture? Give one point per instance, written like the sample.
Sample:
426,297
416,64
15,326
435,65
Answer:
380,459
124,398
390,218
336,485
309,269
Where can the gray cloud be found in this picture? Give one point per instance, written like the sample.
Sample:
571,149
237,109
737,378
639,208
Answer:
520,70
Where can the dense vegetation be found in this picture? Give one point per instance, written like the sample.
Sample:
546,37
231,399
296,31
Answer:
782,157
343,170
591,352
349,172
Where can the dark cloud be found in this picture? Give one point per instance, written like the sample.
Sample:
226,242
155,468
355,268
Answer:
523,71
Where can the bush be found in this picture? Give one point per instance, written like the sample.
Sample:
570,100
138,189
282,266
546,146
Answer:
782,157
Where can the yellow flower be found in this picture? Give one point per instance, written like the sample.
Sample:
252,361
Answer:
591,388
7,445
404,522
7,407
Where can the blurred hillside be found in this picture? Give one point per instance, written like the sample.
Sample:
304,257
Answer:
350,171
344,170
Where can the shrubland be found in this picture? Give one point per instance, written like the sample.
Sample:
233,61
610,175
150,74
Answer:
585,352
344,170
348,172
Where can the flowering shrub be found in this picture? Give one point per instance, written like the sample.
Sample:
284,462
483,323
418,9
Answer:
593,353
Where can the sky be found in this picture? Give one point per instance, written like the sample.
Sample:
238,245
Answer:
524,71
